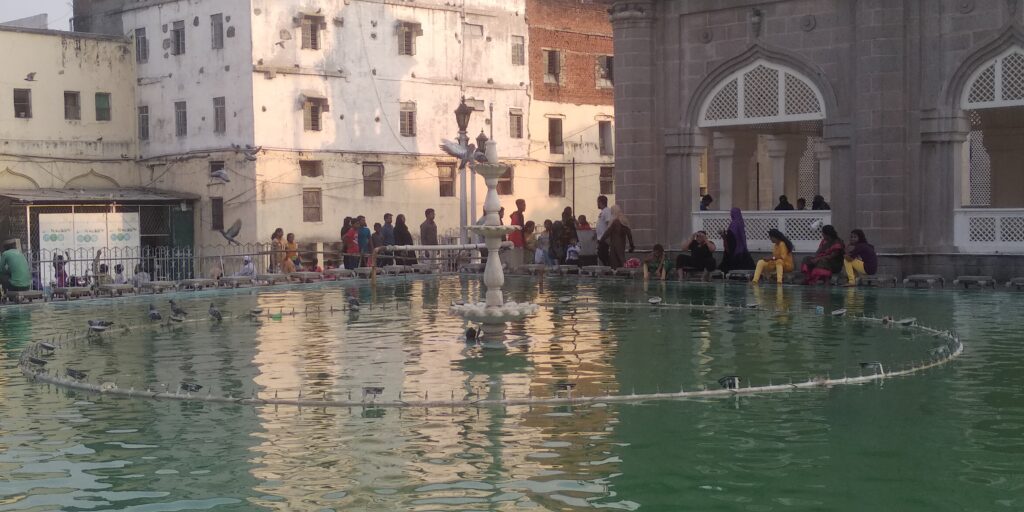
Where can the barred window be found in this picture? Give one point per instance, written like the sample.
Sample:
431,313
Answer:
141,46
180,119
446,179
518,50
143,123
72,105
515,123
217,31
216,213
407,119
407,33
373,179
556,181
312,205
552,66
555,136
23,103
178,38
220,115
505,186
608,180
312,113
311,28
311,168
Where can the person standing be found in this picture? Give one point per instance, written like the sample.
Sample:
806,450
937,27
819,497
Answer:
428,231
14,269
734,239
403,237
277,252
351,242
387,232
604,219
616,236
363,236
518,218
568,233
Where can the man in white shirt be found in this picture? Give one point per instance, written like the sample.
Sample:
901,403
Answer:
604,218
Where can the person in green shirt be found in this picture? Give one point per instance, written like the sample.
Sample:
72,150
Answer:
14,272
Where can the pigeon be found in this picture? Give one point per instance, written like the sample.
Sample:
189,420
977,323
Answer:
215,313
101,323
36,361
47,346
372,391
176,310
730,382
31,77
353,304
75,374
154,315
190,387
471,334
233,232
465,154
220,174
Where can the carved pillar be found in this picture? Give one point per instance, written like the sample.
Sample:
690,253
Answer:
684,150
935,180
724,148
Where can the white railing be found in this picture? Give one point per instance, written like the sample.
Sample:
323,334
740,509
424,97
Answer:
799,226
989,230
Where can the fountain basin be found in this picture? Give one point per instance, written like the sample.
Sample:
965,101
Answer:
481,313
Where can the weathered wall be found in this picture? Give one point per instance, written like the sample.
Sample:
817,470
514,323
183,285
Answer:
47,150
582,32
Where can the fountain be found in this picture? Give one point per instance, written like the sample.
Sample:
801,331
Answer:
494,312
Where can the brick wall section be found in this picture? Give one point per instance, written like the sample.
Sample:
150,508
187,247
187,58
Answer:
582,32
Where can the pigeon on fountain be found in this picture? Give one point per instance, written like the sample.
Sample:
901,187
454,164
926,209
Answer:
465,154
233,232
215,313
154,315
190,387
353,304
99,325
472,334
75,374
176,310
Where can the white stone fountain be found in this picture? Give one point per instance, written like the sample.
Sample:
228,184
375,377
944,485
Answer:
494,313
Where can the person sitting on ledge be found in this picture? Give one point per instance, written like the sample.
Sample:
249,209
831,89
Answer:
657,263
860,258
784,204
701,256
827,261
14,270
818,203
781,259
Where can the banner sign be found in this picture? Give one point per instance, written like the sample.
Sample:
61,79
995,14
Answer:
77,236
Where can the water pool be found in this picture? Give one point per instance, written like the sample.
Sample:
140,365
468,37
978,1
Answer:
946,439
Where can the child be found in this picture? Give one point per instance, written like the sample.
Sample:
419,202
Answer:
656,263
572,252
314,266
119,277
140,277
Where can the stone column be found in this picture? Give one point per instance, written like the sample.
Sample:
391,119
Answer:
724,148
823,155
935,181
636,134
777,158
682,182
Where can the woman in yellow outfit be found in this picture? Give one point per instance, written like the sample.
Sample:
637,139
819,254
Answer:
781,259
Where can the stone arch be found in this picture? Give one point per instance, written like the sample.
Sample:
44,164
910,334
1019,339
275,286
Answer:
772,58
976,64
762,92
91,180
16,180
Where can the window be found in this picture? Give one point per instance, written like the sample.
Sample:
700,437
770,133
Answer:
141,46
407,33
373,179
608,180
180,119
505,186
556,181
605,75
407,118
23,103
555,136
515,123
312,201
103,106
72,105
518,50
311,168
143,123
311,28
604,129
216,213
217,31
312,113
220,115
178,38
446,179
215,166
552,66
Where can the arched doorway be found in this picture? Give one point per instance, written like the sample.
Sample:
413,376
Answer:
764,126
990,197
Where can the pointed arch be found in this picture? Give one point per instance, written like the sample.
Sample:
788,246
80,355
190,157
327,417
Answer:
92,179
978,63
802,76
16,180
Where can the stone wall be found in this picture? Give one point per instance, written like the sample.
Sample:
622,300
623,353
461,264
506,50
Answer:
582,33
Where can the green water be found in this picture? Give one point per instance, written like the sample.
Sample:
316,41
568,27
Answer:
947,439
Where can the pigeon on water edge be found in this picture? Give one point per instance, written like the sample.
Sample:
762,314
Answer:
154,315
176,310
215,313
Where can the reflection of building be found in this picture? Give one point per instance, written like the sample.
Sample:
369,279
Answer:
68,127
900,113
318,113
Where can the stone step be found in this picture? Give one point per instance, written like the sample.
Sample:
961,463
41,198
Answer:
979,281
928,280
877,280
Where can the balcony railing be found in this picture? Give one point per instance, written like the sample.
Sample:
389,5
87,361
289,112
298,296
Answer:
989,230
799,226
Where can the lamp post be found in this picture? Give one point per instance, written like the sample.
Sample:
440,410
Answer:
462,115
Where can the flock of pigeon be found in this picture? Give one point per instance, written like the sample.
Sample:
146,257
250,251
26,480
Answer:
178,314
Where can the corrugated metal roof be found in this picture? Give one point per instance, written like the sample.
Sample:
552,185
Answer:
70,195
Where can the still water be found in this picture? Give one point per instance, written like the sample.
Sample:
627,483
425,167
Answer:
951,438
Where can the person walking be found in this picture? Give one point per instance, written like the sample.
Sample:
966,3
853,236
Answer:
604,219
428,231
734,239
616,237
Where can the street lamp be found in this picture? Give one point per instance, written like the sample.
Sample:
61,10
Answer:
481,142
462,115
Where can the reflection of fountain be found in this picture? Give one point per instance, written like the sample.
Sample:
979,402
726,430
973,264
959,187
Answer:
494,312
